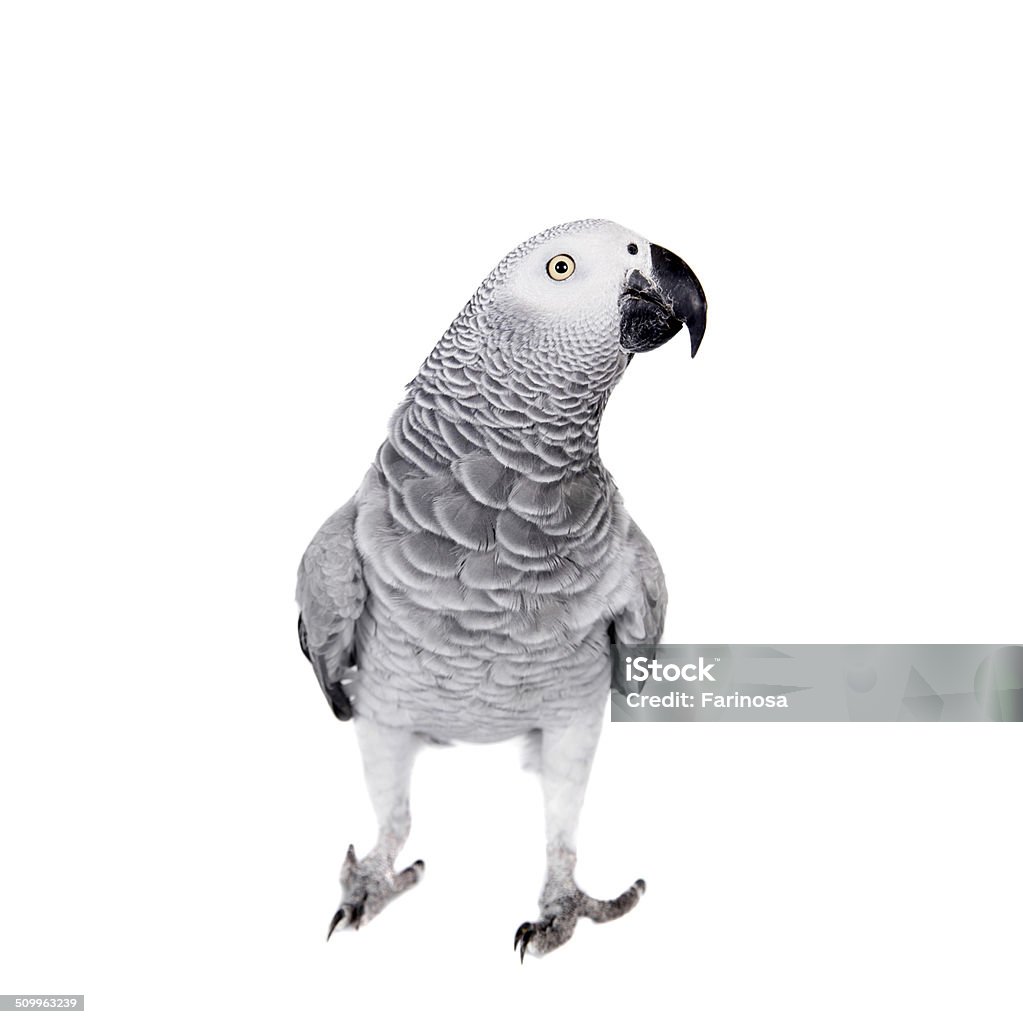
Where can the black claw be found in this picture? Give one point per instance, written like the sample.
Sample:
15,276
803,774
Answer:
338,917
349,913
524,934
640,886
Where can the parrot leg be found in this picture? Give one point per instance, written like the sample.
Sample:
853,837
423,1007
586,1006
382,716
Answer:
566,756
368,885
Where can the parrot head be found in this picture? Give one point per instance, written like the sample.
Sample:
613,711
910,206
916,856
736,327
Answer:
589,288
551,330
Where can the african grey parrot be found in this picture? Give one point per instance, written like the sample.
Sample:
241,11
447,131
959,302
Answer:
474,585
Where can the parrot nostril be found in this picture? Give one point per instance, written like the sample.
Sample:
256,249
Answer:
633,248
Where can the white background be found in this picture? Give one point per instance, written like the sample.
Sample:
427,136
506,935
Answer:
231,232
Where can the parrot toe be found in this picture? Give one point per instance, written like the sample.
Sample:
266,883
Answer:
608,910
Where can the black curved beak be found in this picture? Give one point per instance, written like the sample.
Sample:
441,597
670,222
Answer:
655,309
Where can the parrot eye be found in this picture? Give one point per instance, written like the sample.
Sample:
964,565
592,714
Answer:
560,267
633,248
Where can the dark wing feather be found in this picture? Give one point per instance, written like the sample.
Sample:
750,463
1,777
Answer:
331,595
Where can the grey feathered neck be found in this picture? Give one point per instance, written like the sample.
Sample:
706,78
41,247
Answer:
522,399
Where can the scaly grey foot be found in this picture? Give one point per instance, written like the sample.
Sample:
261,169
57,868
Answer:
367,886
561,908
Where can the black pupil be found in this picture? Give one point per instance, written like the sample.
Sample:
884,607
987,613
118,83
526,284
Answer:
561,267
633,248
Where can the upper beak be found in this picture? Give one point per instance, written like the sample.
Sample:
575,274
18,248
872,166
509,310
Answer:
654,309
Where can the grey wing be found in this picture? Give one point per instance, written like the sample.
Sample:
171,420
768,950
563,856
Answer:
331,595
640,618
